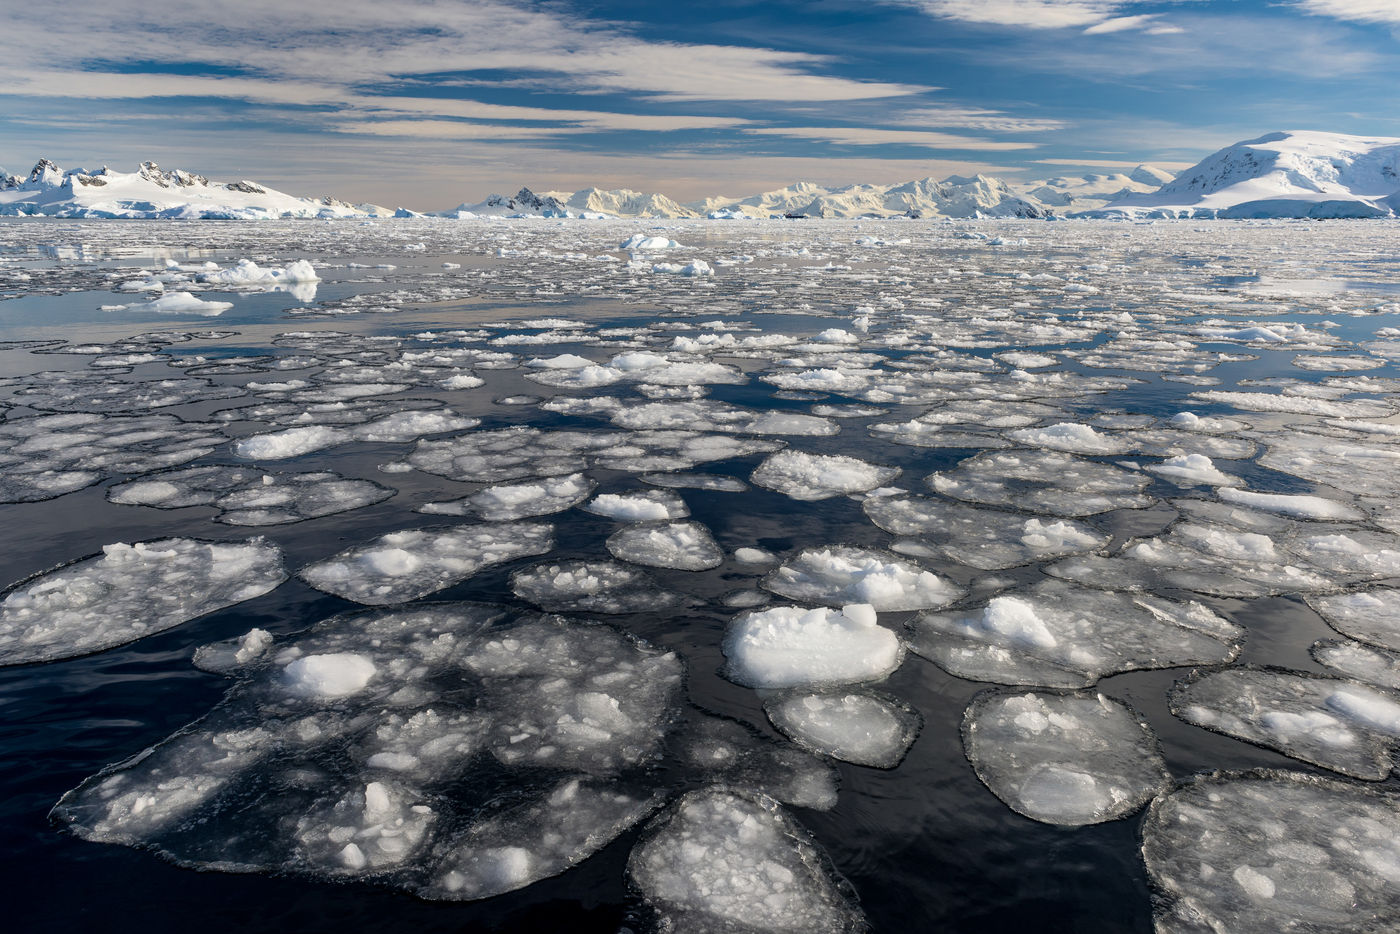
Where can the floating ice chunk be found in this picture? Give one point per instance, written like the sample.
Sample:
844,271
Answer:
413,563
1043,482
1264,852
789,646
755,557
867,729
1063,759
694,268
590,586
686,546
843,574
641,243
1370,615
1339,725
290,442
1380,667
519,500
1059,635
427,744
560,829
641,506
716,416
130,591
67,391
721,861
1295,405
249,274
183,303
982,538
1304,507
696,481
412,425
1069,436
1193,470
227,657
331,676
819,476
251,497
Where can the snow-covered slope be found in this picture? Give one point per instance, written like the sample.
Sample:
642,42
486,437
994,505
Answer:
525,203
1295,174
150,193
624,202
1086,192
955,196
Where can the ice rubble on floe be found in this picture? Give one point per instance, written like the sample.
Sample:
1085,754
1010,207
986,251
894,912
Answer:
684,545
844,574
1060,635
1068,759
804,476
863,728
639,506
251,497
590,586
1338,724
413,563
1270,851
790,646
721,860
508,501
1049,482
130,591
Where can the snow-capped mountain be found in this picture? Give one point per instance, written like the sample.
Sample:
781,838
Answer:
525,203
955,196
1293,174
150,193
623,202
1067,193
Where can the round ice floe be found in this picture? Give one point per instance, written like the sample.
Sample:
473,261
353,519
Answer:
1060,635
1067,759
1193,470
686,546
228,656
819,476
982,538
290,442
1043,482
842,574
723,861
1268,852
249,497
353,750
789,646
1341,725
590,586
1369,615
1380,667
403,566
130,591
867,729
507,502
1071,437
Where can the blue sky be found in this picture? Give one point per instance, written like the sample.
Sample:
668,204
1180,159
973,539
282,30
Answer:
427,103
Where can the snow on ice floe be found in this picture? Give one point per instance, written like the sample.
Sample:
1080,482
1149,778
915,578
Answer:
982,538
77,391
251,497
1192,470
702,415
1338,724
1070,437
639,506
508,501
1064,636
1271,851
397,426
45,456
842,574
1301,506
866,729
790,646
413,563
377,724
1069,759
720,860
130,591
805,476
683,545
696,481
1048,482
1380,667
226,657
590,586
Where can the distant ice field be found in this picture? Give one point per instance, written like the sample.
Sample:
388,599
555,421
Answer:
892,575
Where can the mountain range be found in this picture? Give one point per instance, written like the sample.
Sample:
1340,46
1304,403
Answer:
1295,174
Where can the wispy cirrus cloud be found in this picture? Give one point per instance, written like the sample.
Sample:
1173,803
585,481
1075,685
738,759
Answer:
1359,11
876,136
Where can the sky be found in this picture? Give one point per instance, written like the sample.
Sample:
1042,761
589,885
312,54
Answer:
430,103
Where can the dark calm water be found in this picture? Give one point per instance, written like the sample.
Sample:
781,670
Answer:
925,846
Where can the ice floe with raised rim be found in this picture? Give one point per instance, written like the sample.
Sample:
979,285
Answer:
837,575
858,727
1064,636
638,506
1359,661
250,497
683,545
590,586
412,563
804,476
1269,851
128,592
791,646
509,501
1047,482
1069,759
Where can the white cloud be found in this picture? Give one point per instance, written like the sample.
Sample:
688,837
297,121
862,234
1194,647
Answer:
1360,11
1031,14
869,136
973,118
1114,163
1122,24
